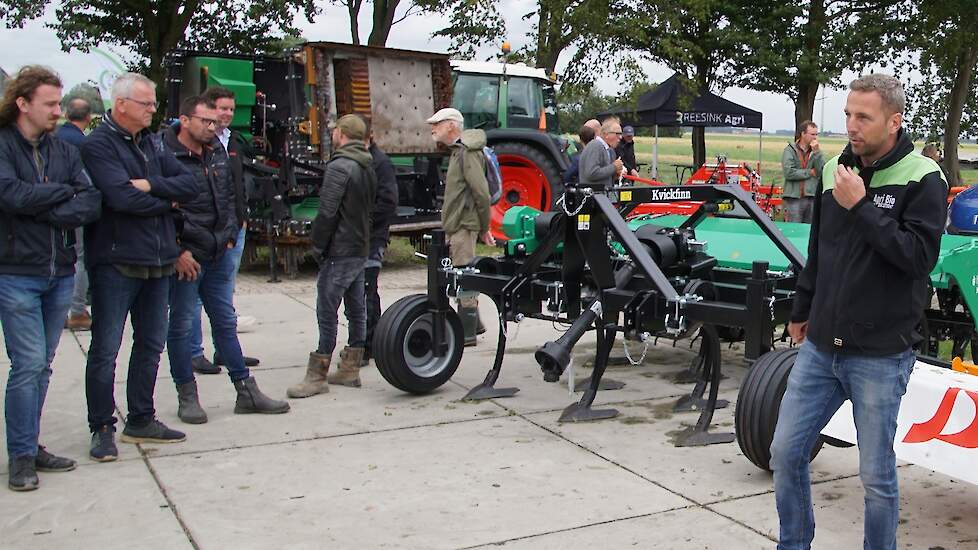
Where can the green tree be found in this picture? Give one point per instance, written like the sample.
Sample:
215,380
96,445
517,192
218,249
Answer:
792,48
383,16
153,29
945,101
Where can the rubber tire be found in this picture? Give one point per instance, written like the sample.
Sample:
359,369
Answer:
388,345
758,404
546,165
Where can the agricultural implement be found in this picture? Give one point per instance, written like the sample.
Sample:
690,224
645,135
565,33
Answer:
588,268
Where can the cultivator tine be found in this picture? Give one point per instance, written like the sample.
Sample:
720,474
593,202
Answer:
487,389
699,434
582,411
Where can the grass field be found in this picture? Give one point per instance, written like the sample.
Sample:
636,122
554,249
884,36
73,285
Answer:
743,148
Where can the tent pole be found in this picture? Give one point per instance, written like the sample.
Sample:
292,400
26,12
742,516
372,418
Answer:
760,148
655,155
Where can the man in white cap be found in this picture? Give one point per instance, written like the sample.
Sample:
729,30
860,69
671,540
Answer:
465,210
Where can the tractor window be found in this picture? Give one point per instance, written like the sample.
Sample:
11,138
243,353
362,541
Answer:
477,97
550,108
524,103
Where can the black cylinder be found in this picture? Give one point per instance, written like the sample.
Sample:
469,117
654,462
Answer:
554,356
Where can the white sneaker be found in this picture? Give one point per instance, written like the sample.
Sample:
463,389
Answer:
246,323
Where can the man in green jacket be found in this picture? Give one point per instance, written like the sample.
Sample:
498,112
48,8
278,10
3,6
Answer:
802,163
465,210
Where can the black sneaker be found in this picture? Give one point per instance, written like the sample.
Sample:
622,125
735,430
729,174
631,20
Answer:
103,445
23,476
154,432
202,365
47,462
248,361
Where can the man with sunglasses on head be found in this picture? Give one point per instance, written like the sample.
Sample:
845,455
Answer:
130,254
206,234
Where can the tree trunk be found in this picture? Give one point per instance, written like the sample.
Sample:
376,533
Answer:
805,103
383,20
353,8
699,146
952,127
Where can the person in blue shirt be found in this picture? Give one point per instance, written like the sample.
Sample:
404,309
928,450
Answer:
78,113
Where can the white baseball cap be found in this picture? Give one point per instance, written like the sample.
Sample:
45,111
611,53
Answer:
446,114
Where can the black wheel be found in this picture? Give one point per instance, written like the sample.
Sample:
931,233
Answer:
530,177
403,346
759,402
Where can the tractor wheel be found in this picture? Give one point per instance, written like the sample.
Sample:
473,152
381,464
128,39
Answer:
758,404
402,346
530,177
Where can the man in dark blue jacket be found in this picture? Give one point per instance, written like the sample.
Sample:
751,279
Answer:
385,210
205,268
44,195
130,254
78,113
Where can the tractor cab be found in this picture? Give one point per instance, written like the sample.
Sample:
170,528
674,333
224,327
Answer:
500,96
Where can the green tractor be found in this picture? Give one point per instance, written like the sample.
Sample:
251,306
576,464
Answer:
284,104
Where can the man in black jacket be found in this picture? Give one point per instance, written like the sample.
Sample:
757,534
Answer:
626,150
204,268
385,210
44,195
130,254
875,237
341,241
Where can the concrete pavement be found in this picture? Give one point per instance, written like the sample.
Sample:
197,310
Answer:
376,468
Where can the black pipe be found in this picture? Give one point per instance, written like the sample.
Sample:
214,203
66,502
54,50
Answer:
554,356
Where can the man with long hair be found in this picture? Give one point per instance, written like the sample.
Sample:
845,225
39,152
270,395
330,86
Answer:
44,195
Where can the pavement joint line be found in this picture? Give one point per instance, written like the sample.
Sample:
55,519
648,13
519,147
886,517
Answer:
325,437
577,527
298,301
647,479
166,496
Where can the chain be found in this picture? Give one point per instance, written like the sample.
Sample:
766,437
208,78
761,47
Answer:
563,204
645,339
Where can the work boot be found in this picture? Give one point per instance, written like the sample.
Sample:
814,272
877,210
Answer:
348,373
188,404
252,400
79,321
315,380
480,328
470,324
47,462
23,475
202,365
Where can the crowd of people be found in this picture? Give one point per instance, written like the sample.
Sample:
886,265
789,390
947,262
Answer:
149,226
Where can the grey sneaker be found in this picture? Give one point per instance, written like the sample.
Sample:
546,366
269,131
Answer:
154,432
47,462
23,476
103,445
202,366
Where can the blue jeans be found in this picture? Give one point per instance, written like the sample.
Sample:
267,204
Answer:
818,385
115,297
32,312
341,279
214,287
197,335
80,295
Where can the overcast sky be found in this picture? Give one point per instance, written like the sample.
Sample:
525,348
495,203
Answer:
37,44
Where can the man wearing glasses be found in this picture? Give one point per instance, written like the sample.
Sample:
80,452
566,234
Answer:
596,168
205,267
130,254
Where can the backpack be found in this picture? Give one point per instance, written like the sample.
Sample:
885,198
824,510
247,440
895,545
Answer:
494,176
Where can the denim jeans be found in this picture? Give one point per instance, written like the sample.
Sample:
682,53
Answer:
214,287
818,385
80,295
340,279
32,312
197,334
144,301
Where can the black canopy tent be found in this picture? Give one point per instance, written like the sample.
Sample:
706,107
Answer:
662,106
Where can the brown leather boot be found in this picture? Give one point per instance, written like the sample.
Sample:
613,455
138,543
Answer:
315,380
348,373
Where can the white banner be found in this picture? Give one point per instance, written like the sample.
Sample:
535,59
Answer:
937,427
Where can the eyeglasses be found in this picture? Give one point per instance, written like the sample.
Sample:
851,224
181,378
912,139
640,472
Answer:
206,121
145,104
615,133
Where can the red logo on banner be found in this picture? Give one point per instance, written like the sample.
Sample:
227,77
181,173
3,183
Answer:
931,429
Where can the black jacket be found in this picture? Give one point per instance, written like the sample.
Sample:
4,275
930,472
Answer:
136,228
236,154
626,152
39,210
385,205
207,223
346,199
864,287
